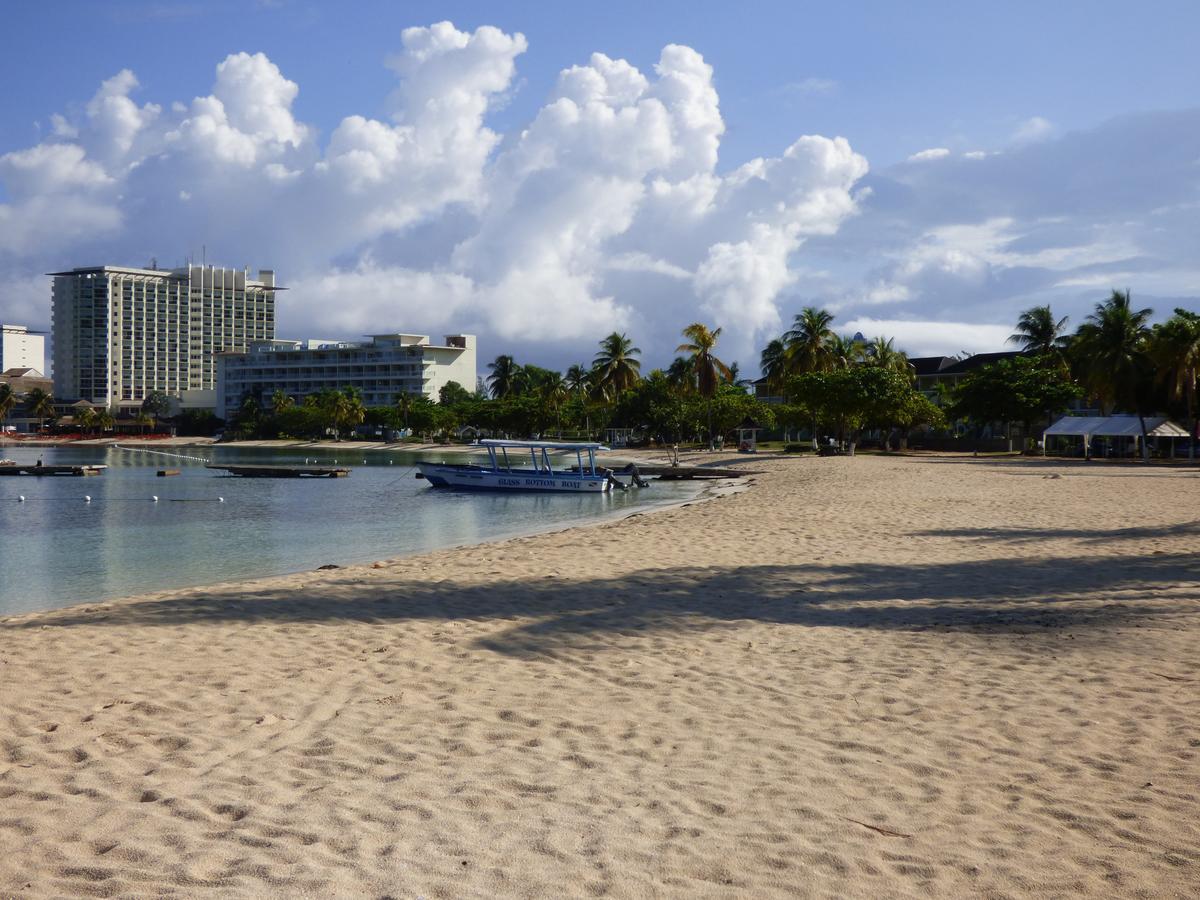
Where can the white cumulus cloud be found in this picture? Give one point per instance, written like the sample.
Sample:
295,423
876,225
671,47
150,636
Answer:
931,153
608,209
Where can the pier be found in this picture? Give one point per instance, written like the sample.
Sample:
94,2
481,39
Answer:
283,471
39,471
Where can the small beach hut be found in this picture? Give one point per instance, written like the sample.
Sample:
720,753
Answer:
1088,428
748,436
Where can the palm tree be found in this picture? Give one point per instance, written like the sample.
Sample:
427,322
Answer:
709,370
404,404
348,408
40,405
281,402
1175,348
8,400
505,376
143,419
551,391
808,340
1110,350
615,367
735,376
105,421
577,380
882,353
773,363
681,375
843,352
86,419
1039,333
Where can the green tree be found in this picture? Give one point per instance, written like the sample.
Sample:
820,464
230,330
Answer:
105,421
248,418
773,362
86,419
616,367
453,394
505,376
155,405
281,401
844,353
1023,389
853,399
700,344
1040,334
404,401
730,406
577,379
323,406
681,375
348,409
653,407
883,353
1111,354
8,400
916,411
550,389
1175,350
423,414
808,340
40,405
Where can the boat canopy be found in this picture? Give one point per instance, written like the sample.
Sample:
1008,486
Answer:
538,445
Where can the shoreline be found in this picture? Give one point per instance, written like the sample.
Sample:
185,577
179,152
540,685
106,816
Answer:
898,676
705,491
696,455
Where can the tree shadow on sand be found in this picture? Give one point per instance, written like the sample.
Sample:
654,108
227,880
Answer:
1088,535
992,596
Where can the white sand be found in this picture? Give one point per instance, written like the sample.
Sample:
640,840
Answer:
859,678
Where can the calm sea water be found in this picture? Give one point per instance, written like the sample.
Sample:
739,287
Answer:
57,549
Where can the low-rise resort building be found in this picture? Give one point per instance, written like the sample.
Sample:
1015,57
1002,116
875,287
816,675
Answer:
381,369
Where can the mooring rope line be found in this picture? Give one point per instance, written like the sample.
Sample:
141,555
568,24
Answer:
162,453
88,498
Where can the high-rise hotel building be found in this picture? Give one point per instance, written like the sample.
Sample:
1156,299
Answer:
120,333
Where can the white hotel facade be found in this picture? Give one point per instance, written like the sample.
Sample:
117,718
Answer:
120,333
381,369
21,349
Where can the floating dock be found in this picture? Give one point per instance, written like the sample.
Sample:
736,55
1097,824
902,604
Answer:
283,471
681,473
40,471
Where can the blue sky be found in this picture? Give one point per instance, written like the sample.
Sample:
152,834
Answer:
1012,101
905,76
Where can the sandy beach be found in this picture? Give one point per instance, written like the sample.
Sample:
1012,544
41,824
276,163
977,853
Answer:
869,677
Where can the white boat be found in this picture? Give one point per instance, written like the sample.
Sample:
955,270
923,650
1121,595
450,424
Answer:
524,466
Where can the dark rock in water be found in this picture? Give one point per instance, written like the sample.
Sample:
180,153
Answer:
327,566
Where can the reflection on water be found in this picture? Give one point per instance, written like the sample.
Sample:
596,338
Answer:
56,548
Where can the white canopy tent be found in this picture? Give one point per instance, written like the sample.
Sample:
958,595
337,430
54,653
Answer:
1089,427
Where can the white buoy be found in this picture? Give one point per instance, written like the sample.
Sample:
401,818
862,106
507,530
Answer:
155,498
87,498
220,499
21,499
364,462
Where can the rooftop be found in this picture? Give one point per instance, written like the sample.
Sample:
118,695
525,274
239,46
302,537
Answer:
177,272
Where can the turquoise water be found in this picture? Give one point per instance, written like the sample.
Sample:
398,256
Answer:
57,549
